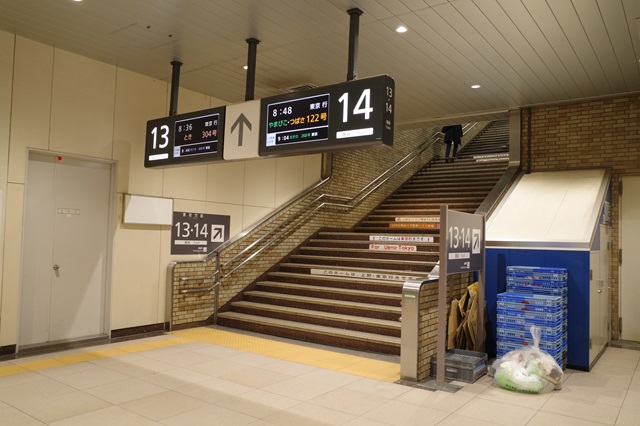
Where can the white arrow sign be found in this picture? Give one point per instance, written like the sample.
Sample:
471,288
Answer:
241,131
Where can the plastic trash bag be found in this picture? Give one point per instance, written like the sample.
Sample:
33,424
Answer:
529,370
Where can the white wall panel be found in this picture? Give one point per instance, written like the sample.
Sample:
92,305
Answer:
12,265
82,105
225,182
136,280
289,178
138,99
31,104
260,183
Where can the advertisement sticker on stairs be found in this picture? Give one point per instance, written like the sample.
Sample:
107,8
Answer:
392,247
401,238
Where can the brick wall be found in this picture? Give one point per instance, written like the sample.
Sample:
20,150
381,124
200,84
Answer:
352,170
603,133
428,318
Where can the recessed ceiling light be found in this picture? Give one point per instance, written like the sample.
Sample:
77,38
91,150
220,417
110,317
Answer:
246,67
401,29
475,86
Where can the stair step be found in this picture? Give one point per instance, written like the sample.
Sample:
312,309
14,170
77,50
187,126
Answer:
304,330
357,272
340,282
337,293
333,261
368,309
315,316
417,256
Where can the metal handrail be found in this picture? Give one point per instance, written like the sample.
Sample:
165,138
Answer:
306,211
302,214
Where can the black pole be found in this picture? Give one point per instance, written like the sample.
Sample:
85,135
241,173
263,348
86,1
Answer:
175,86
251,68
354,32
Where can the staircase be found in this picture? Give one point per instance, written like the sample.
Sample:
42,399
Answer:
343,288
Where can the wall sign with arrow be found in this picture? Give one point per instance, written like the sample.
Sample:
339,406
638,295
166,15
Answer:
198,233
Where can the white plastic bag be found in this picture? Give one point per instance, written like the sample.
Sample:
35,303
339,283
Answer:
529,370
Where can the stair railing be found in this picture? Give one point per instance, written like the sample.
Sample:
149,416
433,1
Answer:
296,219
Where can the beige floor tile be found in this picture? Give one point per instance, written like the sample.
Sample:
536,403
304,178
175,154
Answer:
33,391
177,357
628,416
363,421
176,378
596,388
632,399
402,413
213,390
163,405
218,367
288,367
376,387
253,360
498,394
543,418
460,420
256,377
107,417
125,390
581,409
309,415
299,389
349,401
330,377
13,416
68,369
92,377
13,380
496,412
621,353
60,406
443,401
258,403
212,350
210,415
635,382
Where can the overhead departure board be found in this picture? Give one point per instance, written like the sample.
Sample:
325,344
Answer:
194,137
346,115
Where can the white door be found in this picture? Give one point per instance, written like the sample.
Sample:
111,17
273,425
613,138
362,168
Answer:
65,249
630,268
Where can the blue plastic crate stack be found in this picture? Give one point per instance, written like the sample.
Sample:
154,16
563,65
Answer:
534,296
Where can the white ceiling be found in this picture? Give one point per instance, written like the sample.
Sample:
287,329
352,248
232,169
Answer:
522,52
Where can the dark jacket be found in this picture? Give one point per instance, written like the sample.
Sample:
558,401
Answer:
452,133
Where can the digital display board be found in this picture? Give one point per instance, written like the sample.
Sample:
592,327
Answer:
194,137
347,115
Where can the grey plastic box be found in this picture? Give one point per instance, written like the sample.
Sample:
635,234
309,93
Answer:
465,366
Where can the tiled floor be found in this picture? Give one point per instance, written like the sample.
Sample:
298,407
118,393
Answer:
216,377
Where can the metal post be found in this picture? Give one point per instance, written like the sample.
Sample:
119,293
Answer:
251,68
354,32
442,299
481,301
175,86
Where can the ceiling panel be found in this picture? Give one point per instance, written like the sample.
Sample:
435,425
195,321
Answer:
522,52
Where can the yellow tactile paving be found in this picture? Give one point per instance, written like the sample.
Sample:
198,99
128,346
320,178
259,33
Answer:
41,365
11,370
364,367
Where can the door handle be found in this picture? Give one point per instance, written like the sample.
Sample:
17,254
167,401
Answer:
56,267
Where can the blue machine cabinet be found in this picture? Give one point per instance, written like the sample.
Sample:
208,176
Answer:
577,264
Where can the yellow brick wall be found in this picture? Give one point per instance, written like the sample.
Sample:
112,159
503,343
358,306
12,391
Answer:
352,170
